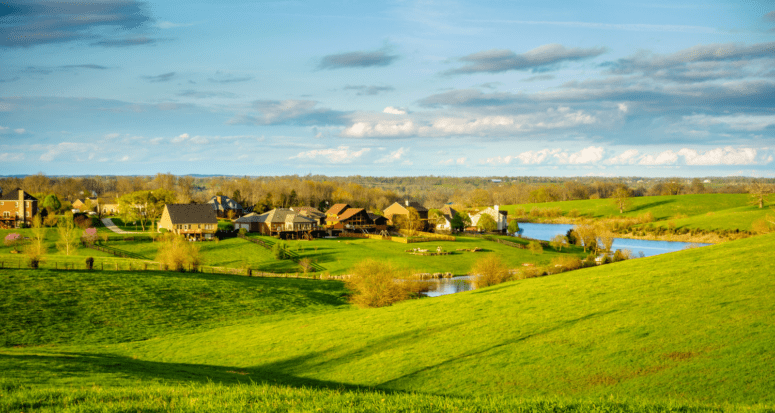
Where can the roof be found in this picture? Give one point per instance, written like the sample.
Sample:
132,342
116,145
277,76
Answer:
225,203
448,212
337,209
251,217
349,213
14,196
309,211
283,215
416,205
191,213
374,217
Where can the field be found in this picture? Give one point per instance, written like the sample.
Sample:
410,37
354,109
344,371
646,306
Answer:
701,211
685,331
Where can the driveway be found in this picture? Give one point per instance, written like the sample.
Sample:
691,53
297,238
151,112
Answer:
111,226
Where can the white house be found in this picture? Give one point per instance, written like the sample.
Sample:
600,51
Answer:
499,216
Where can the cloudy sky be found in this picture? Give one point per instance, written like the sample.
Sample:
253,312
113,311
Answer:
608,88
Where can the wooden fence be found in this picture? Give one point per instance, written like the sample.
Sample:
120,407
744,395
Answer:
290,254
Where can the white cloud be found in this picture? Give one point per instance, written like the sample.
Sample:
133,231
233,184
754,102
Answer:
156,141
624,108
380,129
11,157
720,156
458,161
394,156
20,130
536,157
342,154
500,160
590,154
63,148
664,158
2,128
394,111
180,138
112,136
627,157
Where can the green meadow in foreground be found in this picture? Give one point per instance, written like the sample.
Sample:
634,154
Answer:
685,331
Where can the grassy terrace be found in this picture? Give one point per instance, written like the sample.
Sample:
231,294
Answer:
681,331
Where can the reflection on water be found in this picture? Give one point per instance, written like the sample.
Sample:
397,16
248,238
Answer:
444,286
545,232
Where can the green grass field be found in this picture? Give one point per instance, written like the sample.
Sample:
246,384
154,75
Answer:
684,331
702,211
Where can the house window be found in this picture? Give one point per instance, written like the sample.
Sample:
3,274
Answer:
6,214
185,226
199,226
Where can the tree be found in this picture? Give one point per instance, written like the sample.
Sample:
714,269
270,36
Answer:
604,238
374,283
410,222
279,251
759,192
145,206
486,223
535,248
460,221
585,235
436,217
36,248
621,198
177,253
489,270
69,234
558,242
514,227
51,203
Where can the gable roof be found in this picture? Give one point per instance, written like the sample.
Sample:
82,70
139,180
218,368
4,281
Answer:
283,215
309,211
448,212
374,217
350,212
251,217
225,203
337,209
416,205
14,196
191,213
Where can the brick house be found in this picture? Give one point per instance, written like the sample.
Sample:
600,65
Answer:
17,209
282,222
403,209
222,205
194,221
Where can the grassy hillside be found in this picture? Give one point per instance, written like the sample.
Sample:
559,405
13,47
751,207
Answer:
701,211
53,307
689,327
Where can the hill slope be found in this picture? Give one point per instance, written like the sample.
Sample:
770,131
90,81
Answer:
694,326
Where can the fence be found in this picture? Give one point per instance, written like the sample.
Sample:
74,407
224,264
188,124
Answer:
114,251
436,237
290,254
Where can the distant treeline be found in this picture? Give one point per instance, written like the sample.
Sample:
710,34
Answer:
373,193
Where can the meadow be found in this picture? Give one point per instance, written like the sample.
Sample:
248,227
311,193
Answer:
684,331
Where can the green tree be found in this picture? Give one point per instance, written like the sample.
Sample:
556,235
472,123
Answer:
558,242
374,283
177,253
621,197
535,248
51,203
69,234
36,248
410,222
145,206
279,251
486,223
514,227
759,192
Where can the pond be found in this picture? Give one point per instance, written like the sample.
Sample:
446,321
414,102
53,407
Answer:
545,232
444,286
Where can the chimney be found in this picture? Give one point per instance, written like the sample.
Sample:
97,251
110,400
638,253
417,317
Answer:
407,202
22,211
497,208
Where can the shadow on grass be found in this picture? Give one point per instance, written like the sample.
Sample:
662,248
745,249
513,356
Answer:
651,205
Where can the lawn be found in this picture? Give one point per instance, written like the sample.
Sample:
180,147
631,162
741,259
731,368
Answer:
682,329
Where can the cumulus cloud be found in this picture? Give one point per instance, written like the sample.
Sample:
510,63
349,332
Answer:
394,111
628,157
291,112
180,138
382,128
357,59
20,130
663,158
536,157
11,157
540,58
339,155
720,156
66,148
591,154
394,156
26,23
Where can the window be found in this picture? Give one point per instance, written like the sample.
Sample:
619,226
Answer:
199,226
185,226
6,214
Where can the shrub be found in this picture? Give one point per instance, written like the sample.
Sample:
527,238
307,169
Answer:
13,240
51,220
89,263
279,251
573,213
567,263
373,284
535,248
243,231
489,270
178,254
82,221
621,255
305,264
558,242
90,235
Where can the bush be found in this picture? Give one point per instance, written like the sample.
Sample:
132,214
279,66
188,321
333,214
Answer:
621,255
489,270
89,263
535,248
176,253
90,235
279,251
373,284
243,231
13,240
567,263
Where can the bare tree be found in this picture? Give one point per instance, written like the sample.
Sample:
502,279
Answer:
759,192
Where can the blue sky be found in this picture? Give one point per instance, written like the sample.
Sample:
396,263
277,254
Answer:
557,88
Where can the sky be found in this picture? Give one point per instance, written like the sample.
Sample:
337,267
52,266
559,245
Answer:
395,88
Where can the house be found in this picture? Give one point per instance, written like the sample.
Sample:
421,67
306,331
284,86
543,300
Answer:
282,222
447,213
403,209
17,209
223,205
250,222
109,209
332,215
380,223
499,216
194,221
81,204
311,212
355,219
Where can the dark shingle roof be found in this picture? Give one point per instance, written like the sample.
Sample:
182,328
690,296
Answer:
281,215
416,205
14,196
226,203
309,211
192,213
448,212
349,213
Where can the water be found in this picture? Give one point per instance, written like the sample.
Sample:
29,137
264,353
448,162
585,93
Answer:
546,232
444,286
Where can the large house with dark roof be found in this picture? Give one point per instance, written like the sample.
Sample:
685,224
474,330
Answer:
17,209
312,213
283,222
194,221
222,205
